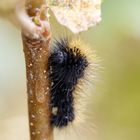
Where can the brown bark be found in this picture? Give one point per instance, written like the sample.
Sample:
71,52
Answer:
36,52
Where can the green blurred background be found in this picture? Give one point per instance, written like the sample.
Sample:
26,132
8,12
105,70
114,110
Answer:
116,106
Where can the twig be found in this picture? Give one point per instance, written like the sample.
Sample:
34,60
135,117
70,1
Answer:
36,57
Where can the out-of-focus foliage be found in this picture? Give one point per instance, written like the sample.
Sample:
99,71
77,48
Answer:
117,41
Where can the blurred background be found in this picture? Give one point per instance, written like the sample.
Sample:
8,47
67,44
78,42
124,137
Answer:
116,111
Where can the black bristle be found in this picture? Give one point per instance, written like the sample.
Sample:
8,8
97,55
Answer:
66,66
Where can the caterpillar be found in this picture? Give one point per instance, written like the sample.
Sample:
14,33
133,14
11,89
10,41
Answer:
71,70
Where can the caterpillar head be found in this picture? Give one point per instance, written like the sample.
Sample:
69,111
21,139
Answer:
68,59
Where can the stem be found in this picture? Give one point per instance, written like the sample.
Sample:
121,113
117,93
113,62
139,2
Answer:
36,52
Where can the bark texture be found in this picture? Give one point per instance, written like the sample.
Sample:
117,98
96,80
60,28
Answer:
36,52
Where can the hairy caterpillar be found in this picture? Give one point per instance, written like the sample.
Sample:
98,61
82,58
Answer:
71,69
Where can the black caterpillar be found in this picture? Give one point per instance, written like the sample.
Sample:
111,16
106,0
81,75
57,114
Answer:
66,66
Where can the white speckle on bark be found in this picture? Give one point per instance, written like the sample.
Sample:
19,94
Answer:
31,101
30,64
38,132
33,133
44,71
33,116
31,124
